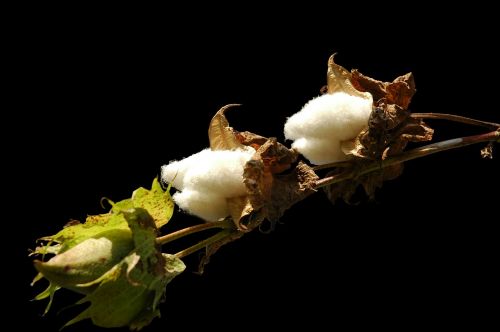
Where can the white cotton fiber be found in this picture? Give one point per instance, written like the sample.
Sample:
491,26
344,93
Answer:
221,172
206,205
319,151
175,172
324,122
207,179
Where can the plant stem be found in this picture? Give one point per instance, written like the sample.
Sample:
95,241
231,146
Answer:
331,165
223,224
456,118
202,244
412,154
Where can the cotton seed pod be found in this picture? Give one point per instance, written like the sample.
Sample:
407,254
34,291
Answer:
130,298
88,260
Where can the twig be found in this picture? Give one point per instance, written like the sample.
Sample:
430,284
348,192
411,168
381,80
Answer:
224,224
332,165
204,243
412,154
456,118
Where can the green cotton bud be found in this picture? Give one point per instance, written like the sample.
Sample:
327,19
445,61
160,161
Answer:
129,293
115,260
88,260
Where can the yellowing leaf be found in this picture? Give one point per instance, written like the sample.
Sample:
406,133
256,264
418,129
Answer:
72,235
220,134
156,201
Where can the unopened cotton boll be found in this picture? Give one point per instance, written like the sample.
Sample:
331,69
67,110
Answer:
206,179
324,122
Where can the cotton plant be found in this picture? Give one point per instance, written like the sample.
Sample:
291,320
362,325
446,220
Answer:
357,130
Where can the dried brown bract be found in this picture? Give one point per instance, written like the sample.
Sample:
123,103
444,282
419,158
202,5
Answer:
389,130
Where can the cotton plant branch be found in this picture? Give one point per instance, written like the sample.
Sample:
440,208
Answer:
455,143
357,131
456,118
223,224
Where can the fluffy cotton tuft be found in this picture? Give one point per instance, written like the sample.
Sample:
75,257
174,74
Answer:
206,205
324,122
206,179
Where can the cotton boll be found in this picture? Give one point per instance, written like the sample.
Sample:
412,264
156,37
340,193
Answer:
337,115
206,205
175,172
319,151
207,179
222,173
324,122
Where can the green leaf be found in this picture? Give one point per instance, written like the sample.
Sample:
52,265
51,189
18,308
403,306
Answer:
156,201
93,227
49,292
129,293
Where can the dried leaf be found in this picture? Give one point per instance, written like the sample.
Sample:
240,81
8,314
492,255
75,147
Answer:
370,182
250,139
271,194
487,151
289,189
270,190
339,80
214,247
239,208
390,128
259,183
220,134
344,189
398,92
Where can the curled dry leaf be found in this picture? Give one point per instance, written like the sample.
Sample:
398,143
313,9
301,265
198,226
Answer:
389,129
339,80
398,92
220,134
214,247
370,182
487,151
250,139
290,188
267,196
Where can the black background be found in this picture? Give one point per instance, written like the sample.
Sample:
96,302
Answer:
104,102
